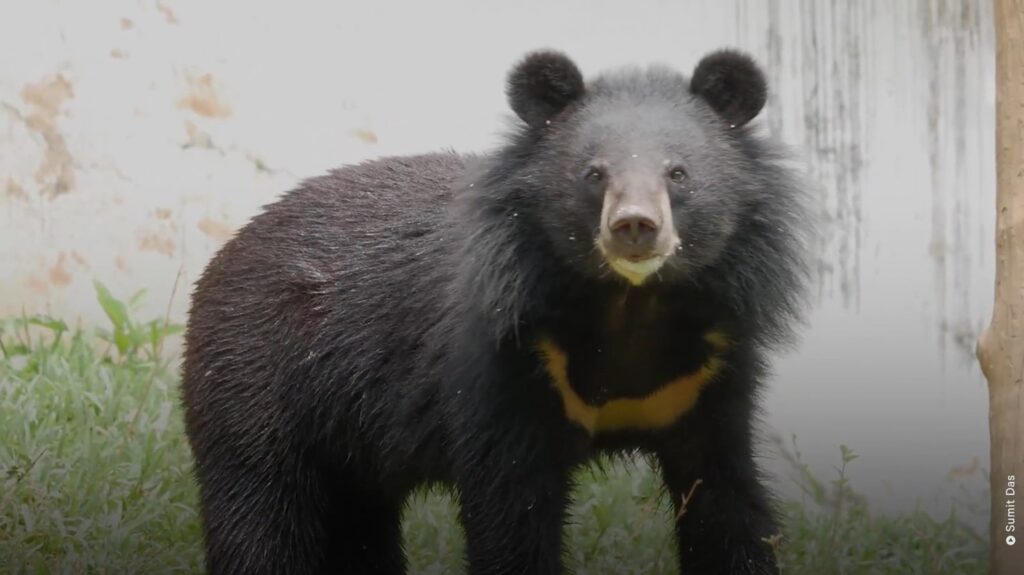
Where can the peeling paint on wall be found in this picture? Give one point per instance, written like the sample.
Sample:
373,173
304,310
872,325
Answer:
952,33
166,12
59,274
13,190
364,135
155,242
202,98
121,264
216,230
833,77
46,98
196,138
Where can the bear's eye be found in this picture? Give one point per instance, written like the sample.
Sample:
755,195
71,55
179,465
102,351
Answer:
677,175
594,175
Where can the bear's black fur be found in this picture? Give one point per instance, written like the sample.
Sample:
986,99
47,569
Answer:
453,319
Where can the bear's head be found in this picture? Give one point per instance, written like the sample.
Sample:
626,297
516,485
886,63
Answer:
646,175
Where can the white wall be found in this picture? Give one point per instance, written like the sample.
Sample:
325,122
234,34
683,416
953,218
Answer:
135,136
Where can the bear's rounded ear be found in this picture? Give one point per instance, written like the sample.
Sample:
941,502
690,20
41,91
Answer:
732,84
542,84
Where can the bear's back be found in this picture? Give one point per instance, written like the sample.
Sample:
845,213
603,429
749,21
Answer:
362,224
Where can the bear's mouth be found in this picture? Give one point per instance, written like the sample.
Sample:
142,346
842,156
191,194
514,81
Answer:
634,265
636,269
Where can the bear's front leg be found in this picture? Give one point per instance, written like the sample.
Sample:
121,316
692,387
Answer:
509,447
723,515
513,515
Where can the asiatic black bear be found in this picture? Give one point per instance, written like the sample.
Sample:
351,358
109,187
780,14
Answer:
612,278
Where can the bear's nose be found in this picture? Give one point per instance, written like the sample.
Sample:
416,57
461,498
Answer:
635,229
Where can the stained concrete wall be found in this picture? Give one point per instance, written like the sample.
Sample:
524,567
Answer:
136,136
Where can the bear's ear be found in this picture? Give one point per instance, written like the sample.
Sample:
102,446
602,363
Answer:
542,85
732,84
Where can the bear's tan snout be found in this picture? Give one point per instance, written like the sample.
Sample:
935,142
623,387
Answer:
634,231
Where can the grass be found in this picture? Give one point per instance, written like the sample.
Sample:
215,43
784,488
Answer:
95,477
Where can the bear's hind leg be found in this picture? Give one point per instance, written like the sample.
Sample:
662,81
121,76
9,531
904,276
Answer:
365,531
289,518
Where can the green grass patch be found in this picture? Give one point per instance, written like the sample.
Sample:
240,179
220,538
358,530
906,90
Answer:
95,477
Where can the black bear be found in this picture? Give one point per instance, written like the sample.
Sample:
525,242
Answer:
611,279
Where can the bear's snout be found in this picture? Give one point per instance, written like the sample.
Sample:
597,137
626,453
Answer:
635,231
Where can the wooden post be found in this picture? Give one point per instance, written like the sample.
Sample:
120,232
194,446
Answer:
1001,347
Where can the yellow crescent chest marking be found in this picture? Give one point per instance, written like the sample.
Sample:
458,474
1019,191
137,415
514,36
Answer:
659,409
